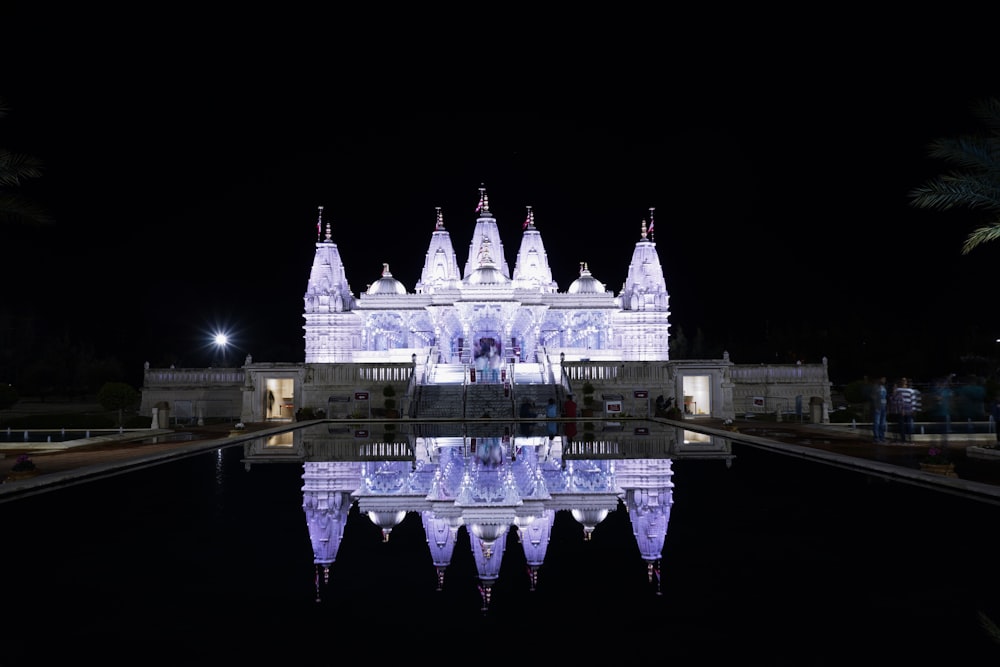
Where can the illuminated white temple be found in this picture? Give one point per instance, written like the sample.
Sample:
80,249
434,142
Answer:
486,310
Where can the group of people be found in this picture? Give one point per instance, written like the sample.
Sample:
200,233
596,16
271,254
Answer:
902,402
527,411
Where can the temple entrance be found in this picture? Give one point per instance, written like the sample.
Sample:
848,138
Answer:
487,356
697,395
279,399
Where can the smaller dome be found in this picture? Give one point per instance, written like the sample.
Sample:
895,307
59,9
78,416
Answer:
386,284
586,283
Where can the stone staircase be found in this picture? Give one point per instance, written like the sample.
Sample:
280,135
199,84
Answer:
446,395
527,373
435,401
492,399
447,374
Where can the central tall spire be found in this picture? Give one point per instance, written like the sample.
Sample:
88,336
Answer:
486,232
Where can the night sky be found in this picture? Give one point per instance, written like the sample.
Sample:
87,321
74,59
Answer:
186,197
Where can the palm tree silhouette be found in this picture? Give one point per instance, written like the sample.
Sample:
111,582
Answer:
974,182
15,168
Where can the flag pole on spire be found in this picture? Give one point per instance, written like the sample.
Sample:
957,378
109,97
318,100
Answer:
650,230
482,198
439,224
319,225
529,221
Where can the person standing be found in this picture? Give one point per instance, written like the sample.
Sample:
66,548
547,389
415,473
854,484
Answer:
880,397
944,396
551,412
569,407
892,411
995,415
527,412
903,401
569,410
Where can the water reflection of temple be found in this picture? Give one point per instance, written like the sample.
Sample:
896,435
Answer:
481,478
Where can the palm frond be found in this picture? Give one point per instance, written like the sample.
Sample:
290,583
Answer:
988,112
15,167
981,235
958,189
990,627
974,183
16,210
967,152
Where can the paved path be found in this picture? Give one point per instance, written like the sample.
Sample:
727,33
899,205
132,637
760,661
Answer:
59,465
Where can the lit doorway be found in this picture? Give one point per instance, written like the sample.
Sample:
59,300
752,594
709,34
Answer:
279,399
697,396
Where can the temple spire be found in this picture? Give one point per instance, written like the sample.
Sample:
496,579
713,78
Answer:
643,232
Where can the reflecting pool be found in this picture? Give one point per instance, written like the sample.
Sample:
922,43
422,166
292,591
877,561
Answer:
420,539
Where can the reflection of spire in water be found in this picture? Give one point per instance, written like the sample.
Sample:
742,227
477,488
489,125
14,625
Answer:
649,495
441,534
326,502
534,539
488,544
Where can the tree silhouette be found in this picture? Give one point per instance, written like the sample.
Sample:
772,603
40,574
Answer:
974,181
15,169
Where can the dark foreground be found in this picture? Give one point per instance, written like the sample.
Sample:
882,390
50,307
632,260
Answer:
772,561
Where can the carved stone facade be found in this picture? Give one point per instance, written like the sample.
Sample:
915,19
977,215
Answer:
486,310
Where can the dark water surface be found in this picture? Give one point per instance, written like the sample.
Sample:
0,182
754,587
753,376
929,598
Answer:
768,560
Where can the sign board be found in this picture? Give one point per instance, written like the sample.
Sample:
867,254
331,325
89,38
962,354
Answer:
361,433
641,430
641,394
612,407
361,396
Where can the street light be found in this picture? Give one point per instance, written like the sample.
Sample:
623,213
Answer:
221,342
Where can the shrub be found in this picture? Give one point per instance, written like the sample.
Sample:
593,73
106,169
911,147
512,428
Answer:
119,396
8,396
23,464
845,416
388,392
